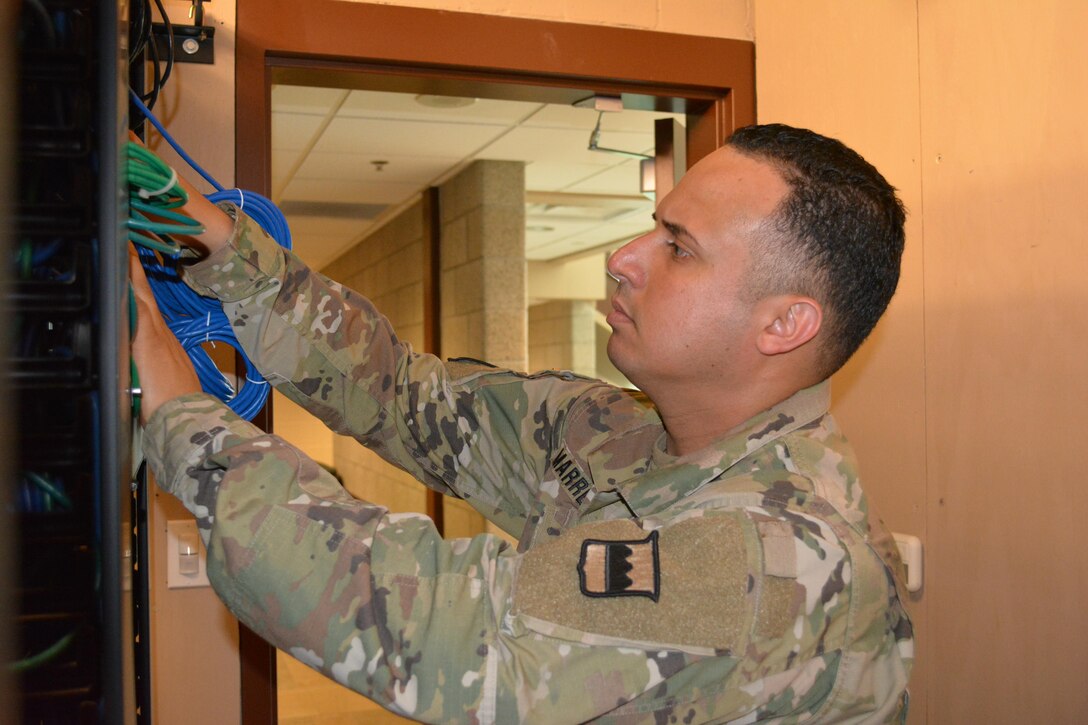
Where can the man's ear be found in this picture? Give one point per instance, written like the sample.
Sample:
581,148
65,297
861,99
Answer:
794,320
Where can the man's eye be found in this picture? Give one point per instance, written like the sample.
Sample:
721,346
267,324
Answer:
675,249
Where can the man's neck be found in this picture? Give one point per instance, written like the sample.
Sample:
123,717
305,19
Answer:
693,422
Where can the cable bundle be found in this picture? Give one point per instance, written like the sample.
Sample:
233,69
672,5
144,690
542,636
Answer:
42,493
194,319
154,189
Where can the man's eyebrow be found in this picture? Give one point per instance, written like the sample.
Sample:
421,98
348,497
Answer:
677,230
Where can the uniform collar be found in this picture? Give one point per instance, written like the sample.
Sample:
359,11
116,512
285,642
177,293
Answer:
671,478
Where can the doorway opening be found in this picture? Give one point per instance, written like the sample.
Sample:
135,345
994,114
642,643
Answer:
358,54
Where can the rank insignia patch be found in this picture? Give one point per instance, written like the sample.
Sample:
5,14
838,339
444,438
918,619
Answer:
620,568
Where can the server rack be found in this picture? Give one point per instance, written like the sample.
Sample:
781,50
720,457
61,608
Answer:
68,366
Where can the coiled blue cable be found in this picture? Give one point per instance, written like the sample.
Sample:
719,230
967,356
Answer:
196,320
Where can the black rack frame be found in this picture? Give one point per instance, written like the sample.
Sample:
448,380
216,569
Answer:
68,369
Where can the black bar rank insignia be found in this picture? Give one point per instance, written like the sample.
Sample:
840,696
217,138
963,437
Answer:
620,568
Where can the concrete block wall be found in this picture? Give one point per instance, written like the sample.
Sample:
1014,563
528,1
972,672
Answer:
387,267
483,264
563,336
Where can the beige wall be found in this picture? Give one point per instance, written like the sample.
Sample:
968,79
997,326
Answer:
563,336
964,406
292,422
713,18
850,70
1003,178
194,639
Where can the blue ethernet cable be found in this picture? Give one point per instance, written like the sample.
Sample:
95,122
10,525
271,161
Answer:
197,320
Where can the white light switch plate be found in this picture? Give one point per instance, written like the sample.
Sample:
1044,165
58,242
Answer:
910,550
177,533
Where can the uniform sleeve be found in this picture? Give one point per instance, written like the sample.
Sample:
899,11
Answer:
708,618
328,349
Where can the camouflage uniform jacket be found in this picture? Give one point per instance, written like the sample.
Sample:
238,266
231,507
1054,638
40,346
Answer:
741,583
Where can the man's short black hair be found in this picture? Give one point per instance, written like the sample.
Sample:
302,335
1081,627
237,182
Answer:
837,236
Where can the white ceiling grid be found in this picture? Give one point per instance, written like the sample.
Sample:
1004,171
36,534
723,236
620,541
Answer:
325,142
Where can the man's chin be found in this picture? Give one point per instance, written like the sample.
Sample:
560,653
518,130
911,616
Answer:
620,359
613,356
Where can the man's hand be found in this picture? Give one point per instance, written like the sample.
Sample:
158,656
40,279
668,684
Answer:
164,367
218,225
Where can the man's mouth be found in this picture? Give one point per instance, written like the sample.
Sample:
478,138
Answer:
618,315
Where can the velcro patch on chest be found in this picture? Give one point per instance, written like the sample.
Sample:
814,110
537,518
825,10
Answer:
620,568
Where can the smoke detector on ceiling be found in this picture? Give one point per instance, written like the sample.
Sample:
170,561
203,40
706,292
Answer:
433,101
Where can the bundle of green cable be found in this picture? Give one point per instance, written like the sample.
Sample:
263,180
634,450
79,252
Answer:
154,189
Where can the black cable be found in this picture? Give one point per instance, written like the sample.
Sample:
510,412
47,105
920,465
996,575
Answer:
44,20
139,32
169,42
160,75
140,28
156,80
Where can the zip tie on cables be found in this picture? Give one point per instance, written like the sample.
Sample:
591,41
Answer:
197,320
170,184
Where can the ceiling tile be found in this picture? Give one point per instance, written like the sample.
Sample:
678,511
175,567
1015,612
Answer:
557,116
540,234
547,176
294,131
621,231
302,99
588,236
377,104
623,178
422,144
282,163
562,145
404,138
419,170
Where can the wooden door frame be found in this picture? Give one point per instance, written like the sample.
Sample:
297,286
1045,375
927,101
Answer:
717,75
360,45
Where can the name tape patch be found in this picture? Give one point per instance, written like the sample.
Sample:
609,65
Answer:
620,568
573,480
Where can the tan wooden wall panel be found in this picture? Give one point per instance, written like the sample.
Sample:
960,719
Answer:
1003,98
194,639
850,70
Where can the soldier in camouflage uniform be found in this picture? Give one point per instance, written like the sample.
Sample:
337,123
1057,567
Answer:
708,557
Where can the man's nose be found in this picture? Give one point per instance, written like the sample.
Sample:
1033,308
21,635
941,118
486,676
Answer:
625,264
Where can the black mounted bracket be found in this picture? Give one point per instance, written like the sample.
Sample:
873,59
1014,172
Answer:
192,43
